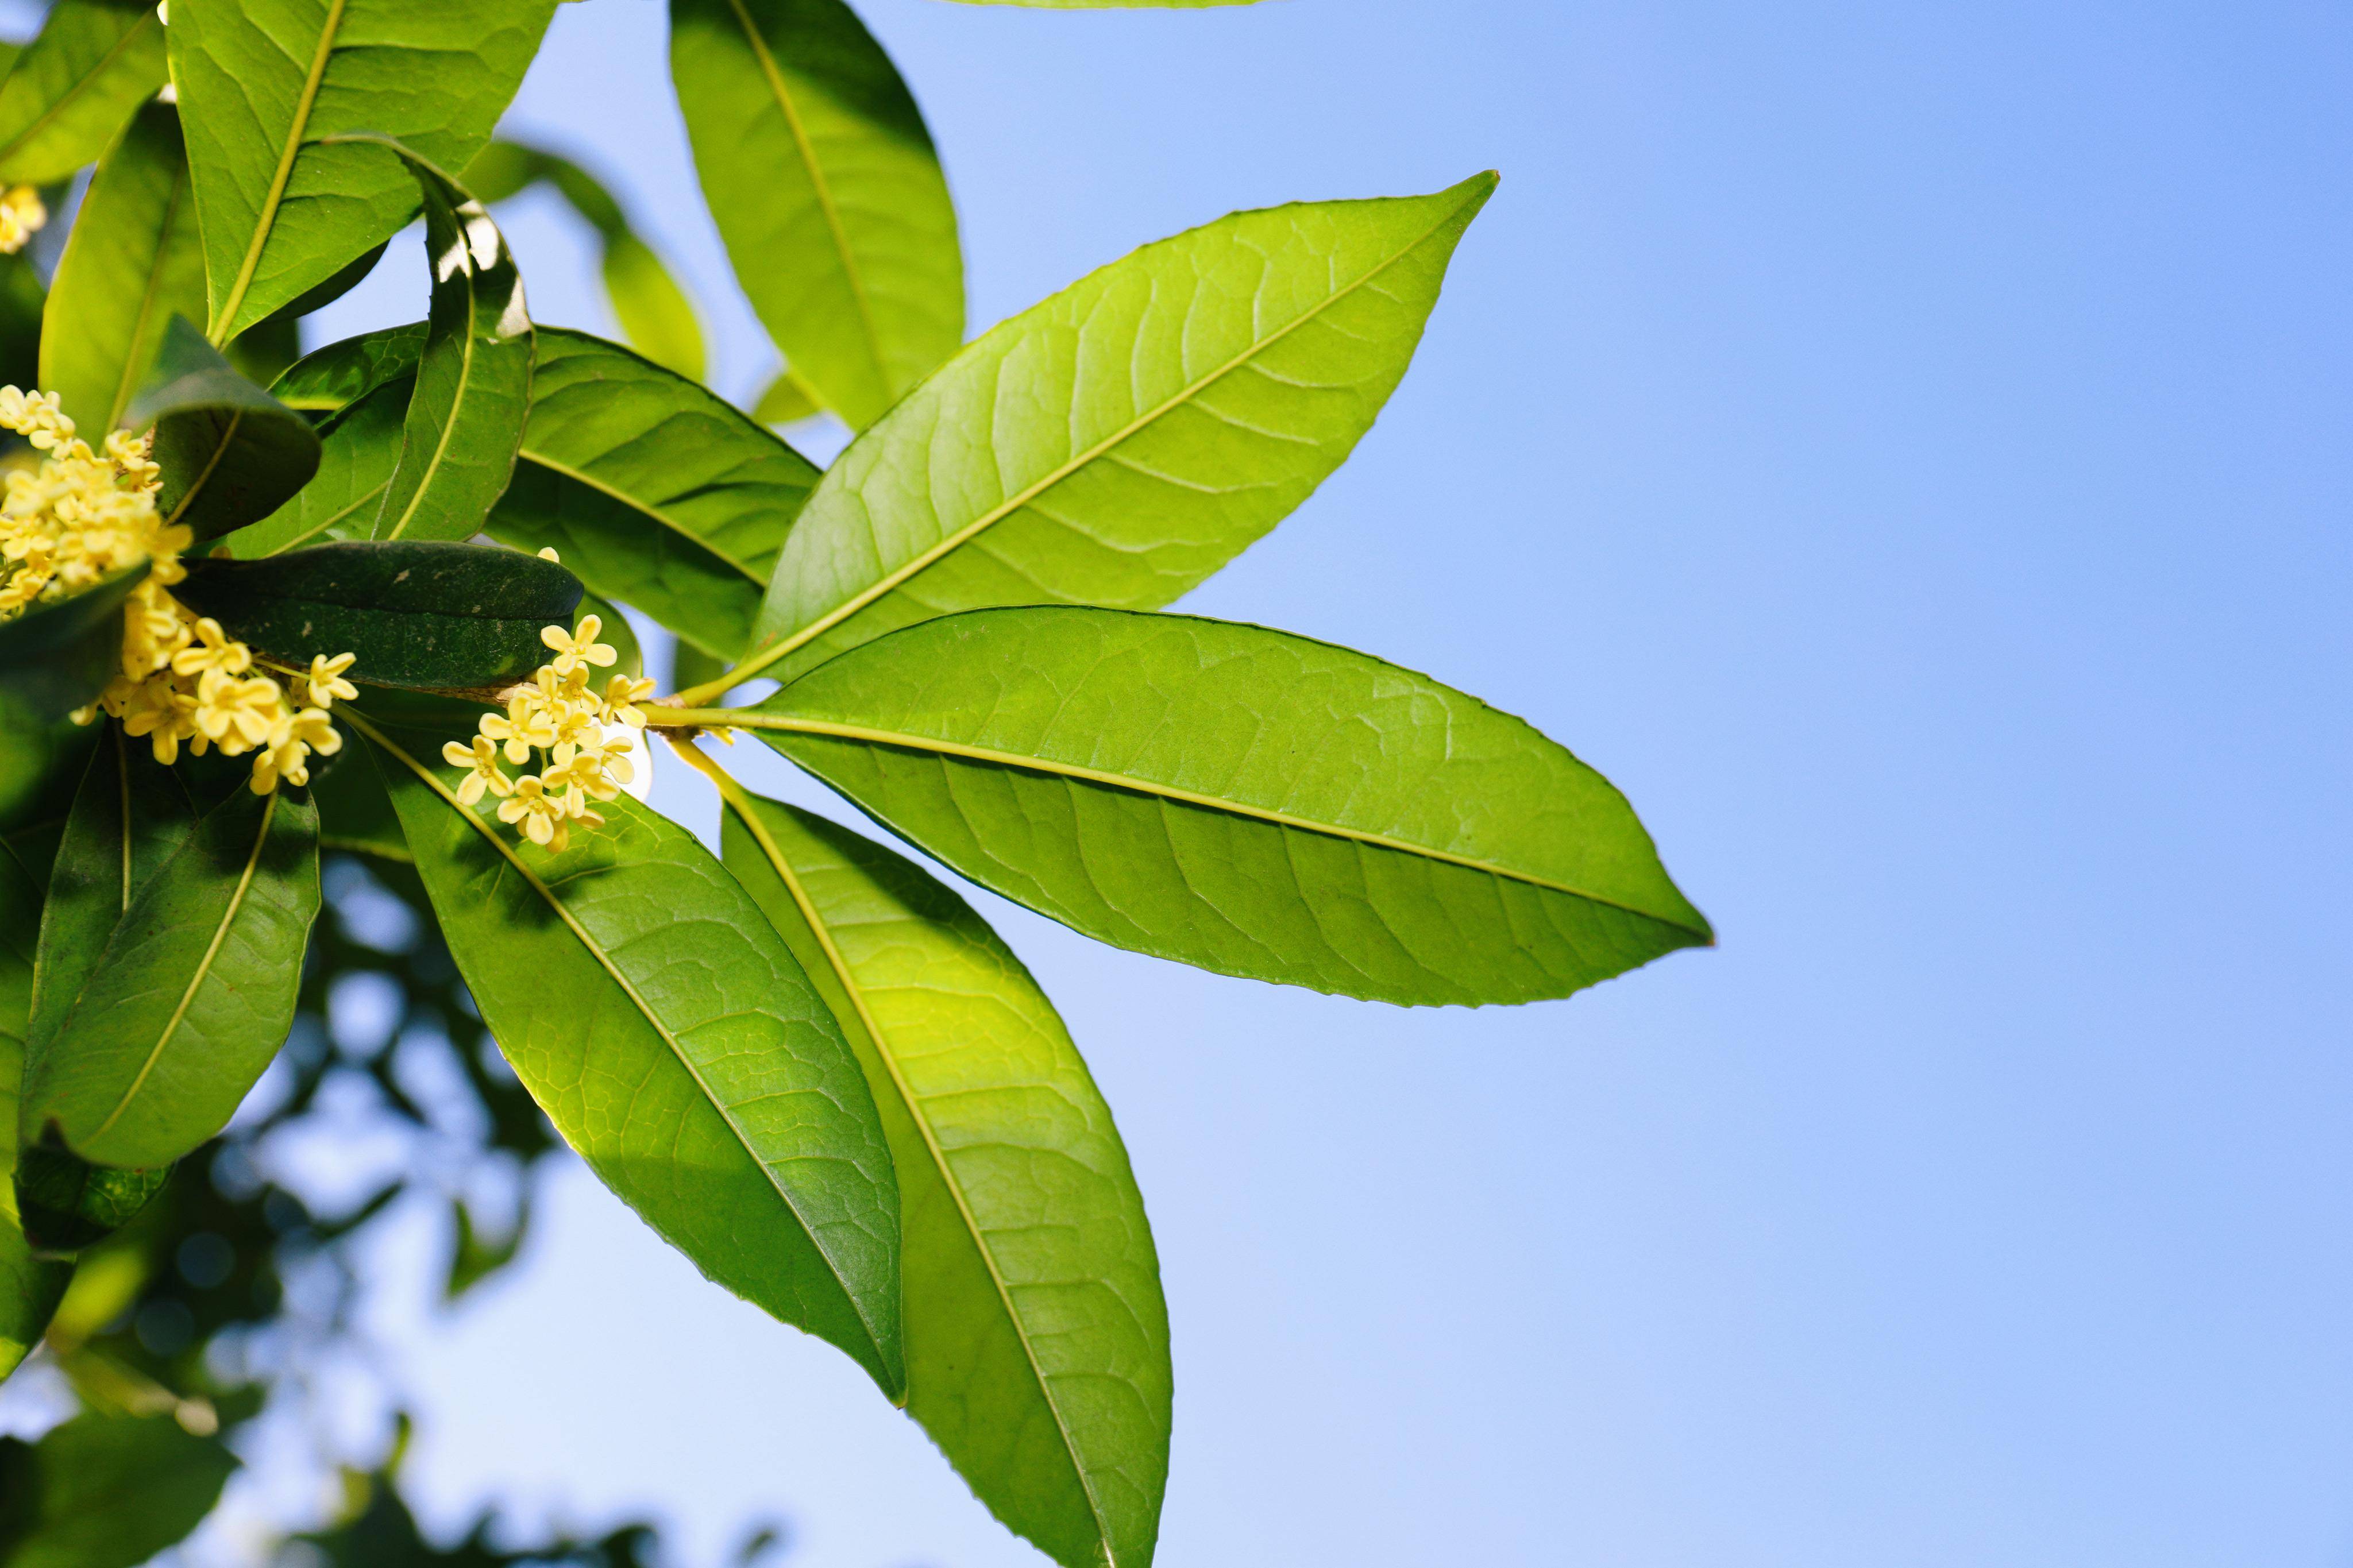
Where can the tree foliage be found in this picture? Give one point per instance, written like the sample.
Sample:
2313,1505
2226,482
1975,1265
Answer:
800,1056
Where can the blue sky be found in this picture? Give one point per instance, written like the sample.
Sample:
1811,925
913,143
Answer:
1906,448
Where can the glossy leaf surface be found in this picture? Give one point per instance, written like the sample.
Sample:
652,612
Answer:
1119,442
266,86
654,490
75,85
105,1491
417,613
669,1032
1244,800
344,372
819,170
59,653
132,262
191,996
473,381
1037,1337
230,453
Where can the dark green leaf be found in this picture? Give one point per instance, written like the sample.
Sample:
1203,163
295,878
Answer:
417,613
132,263
266,350
818,169
105,1491
191,997
59,654
358,449
22,297
1119,442
274,91
30,1287
1037,1337
66,1204
75,85
230,452
473,382
1244,800
355,814
658,493
667,1032
342,372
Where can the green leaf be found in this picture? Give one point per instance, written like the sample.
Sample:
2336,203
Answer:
818,169
657,492
30,1287
434,615
75,85
67,1204
1037,1337
106,1491
663,1026
191,997
342,372
655,314
1244,800
473,382
22,297
786,400
229,452
274,92
359,447
1119,442
617,635
266,350
59,654
355,814
131,264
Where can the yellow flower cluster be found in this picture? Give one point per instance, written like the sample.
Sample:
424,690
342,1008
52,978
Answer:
83,516
556,713
22,216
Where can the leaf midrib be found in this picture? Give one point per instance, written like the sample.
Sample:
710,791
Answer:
580,932
569,472
83,85
823,188
204,477
126,381
458,398
204,966
739,801
916,565
906,741
286,157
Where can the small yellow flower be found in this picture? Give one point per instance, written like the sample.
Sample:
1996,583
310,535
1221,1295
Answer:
327,682
525,724
547,553
237,715
21,216
620,706
481,761
579,647
213,649
541,815
290,763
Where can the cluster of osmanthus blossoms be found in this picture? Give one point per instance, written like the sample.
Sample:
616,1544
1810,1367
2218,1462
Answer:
22,216
584,740
81,516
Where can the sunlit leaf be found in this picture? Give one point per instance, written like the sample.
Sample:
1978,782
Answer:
418,614
1244,800
819,170
1119,442
230,453
1037,1337
74,86
132,262
280,98
192,994
473,382
672,1038
657,492
359,447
